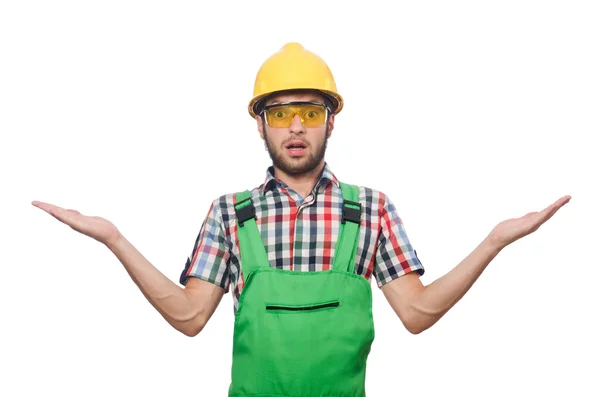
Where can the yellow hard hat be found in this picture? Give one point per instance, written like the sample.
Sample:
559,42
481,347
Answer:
292,68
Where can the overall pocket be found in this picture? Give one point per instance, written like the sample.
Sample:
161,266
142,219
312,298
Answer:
280,308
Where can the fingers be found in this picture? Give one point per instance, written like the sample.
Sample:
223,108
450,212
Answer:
63,215
49,208
559,203
552,208
535,219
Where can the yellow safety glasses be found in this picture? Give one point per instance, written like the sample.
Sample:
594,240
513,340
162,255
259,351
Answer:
281,115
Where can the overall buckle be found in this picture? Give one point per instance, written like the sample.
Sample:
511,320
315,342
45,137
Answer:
351,214
245,213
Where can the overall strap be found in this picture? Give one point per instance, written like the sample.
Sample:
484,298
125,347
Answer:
345,252
252,250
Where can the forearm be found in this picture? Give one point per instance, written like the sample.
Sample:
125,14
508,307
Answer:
435,299
170,300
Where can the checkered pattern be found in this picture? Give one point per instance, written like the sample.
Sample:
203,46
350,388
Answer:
301,234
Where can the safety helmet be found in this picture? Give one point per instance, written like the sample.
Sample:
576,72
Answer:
294,68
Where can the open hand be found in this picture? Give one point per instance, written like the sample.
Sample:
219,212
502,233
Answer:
93,226
513,229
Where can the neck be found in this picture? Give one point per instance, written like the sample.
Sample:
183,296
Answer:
301,183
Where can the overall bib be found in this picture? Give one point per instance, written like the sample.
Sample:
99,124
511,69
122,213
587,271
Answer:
301,334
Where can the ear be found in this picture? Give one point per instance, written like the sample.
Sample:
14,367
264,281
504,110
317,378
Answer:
331,122
259,125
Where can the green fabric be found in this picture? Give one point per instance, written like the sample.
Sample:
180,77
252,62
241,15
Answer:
348,238
301,334
251,244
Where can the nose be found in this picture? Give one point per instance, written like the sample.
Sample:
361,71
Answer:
297,126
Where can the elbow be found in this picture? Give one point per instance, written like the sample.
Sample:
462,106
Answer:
412,326
190,330
416,324
190,327
417,320
415,329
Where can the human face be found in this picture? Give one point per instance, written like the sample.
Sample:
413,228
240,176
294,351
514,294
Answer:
296,149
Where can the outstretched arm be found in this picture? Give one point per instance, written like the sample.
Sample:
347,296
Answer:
187,310
419,306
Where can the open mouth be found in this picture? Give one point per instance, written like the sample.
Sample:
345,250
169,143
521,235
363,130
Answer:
296,148
296,145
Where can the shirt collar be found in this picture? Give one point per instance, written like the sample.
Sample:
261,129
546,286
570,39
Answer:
326,177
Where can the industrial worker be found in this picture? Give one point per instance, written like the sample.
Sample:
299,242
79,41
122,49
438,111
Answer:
298,252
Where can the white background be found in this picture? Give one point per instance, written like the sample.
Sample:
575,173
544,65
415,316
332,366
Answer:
465,113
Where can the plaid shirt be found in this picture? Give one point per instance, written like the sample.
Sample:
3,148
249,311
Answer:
300,234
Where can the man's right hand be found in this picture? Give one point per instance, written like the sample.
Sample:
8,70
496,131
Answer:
93,226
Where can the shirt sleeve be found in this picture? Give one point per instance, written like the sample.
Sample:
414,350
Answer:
395,255
209,259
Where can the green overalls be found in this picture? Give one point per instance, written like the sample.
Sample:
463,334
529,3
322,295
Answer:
301,334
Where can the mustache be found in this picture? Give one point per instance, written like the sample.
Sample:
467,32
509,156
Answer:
285,143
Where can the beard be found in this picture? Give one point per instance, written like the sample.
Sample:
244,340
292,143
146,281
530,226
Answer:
296,166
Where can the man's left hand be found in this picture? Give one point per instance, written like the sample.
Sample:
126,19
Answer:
513,229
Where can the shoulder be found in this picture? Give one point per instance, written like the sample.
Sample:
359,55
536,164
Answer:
225,203
374,199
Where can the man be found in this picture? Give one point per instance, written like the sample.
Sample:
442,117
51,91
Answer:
298,252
